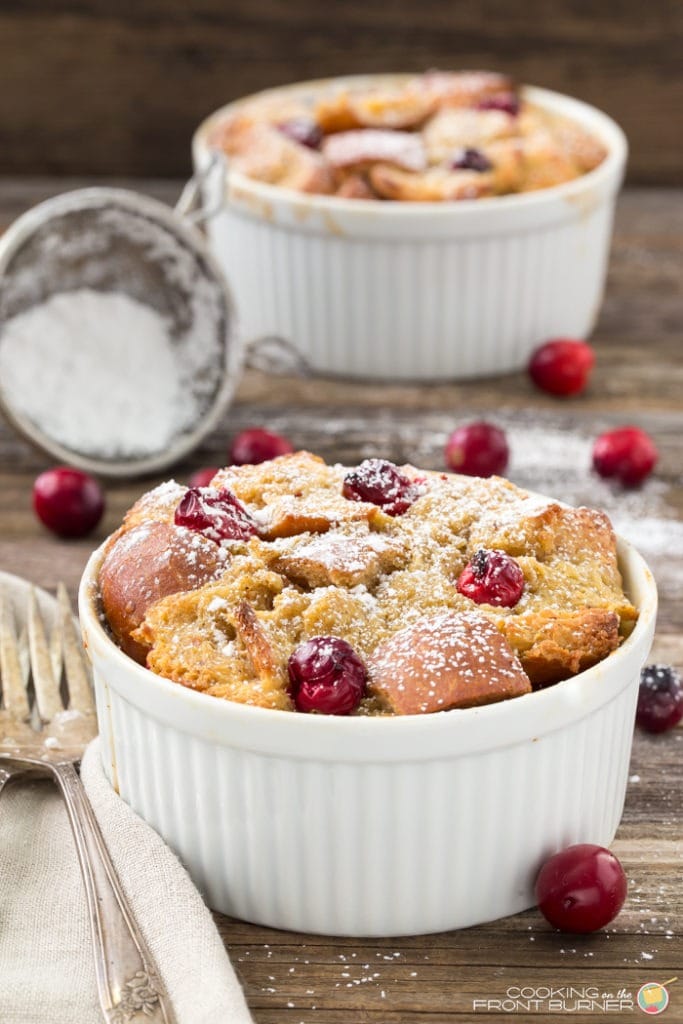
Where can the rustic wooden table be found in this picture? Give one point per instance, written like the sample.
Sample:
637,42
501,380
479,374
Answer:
462,976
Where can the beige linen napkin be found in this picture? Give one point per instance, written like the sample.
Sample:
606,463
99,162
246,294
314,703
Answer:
46,967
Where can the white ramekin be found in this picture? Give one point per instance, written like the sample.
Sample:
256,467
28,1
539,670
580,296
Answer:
416,290
371,826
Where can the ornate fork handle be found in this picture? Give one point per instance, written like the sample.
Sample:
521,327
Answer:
5,775
128,986
12,772
44,650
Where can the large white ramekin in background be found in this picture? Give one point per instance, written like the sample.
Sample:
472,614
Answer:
416,290
371,826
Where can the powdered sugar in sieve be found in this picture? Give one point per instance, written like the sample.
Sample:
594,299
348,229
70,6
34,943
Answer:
117,348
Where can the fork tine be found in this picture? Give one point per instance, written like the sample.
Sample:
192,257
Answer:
55,650
47,688
77,674
13,677
24,657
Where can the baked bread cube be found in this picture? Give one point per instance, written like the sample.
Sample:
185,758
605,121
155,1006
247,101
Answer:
454,660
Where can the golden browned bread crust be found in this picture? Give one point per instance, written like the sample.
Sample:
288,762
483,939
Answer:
324,565
553,646
146,561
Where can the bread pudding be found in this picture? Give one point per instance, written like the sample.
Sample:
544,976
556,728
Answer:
442,135
372,590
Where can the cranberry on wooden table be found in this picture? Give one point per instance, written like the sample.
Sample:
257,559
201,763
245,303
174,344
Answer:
216,514
562,366
492,577
326,676
660,698
68,501
380,483
477,449
581,889
257,445
626,454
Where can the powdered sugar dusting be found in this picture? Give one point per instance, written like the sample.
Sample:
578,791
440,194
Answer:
558,462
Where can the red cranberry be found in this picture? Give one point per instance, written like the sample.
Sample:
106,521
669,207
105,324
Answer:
508,102
202,477
257,445
68,501
477,449
581,889
303,130
628,454
379,482
562,366
492,577
470,160
660,698
326,676
217,515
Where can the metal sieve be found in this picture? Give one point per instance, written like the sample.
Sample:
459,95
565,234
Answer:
117,241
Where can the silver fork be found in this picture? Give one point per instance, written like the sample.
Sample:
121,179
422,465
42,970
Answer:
39,735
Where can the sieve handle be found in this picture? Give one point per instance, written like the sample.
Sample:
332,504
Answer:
189,204
270,354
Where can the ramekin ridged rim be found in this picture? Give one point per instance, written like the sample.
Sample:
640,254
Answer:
262,198
353,739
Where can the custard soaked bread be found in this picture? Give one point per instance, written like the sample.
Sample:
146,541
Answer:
430,591
439,136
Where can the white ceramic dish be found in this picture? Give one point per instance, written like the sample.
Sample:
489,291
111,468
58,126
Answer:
416,290
371,826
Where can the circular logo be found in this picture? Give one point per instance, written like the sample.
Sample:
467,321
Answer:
653,998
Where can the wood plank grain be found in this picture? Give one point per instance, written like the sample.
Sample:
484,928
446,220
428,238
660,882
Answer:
87,86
